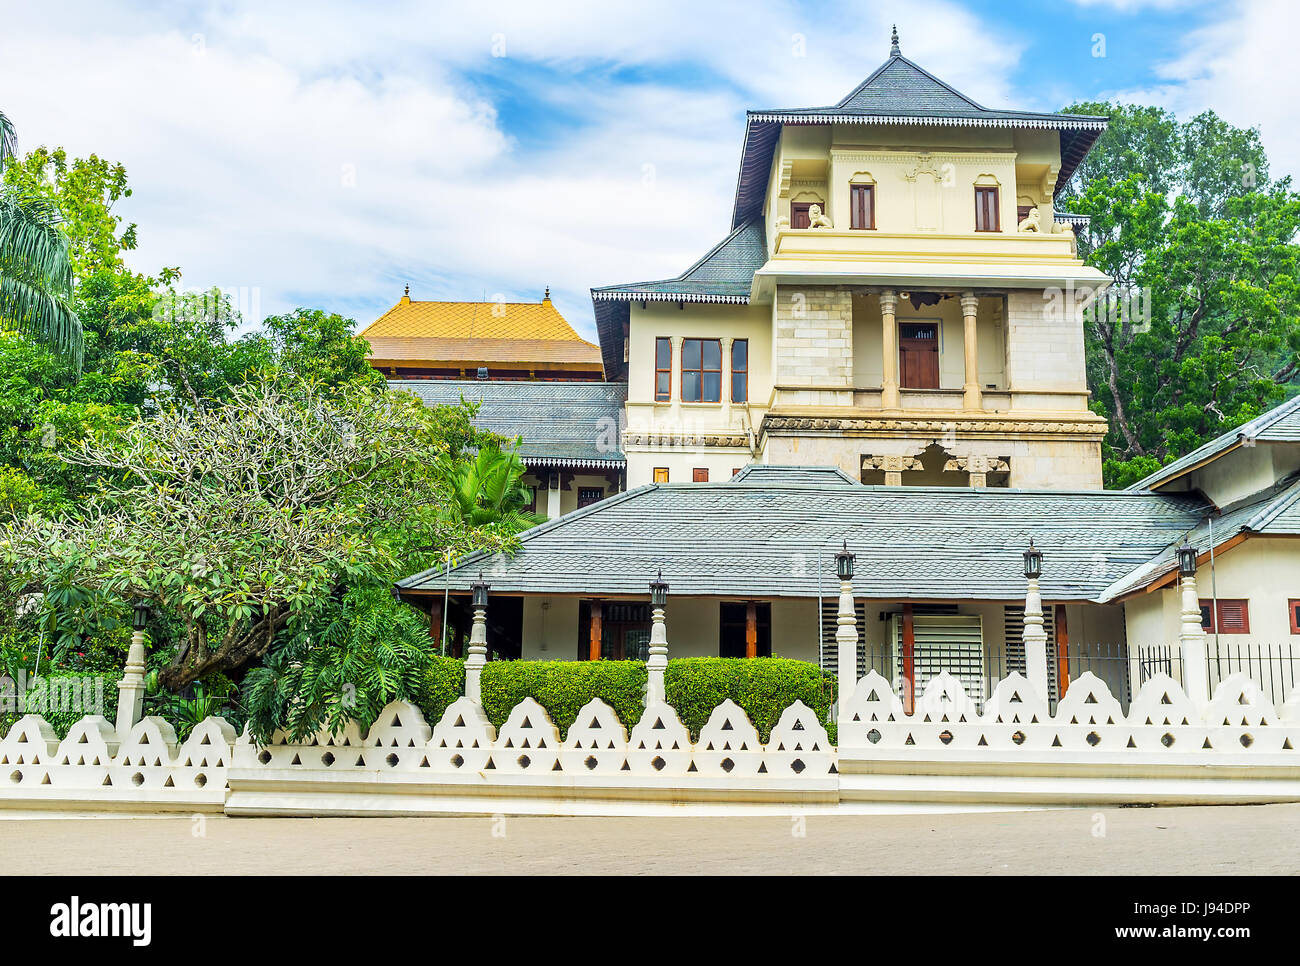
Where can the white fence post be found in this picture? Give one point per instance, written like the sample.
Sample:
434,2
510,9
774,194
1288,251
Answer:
1035,634
1191,637
130,690
657,664
846,633
477,657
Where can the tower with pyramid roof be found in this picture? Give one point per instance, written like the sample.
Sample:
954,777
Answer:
897,296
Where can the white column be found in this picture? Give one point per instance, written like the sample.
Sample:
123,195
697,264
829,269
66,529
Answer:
130,690
846,641
553,495
1035,639
972,397
477,658
658,660
889,398
1191,640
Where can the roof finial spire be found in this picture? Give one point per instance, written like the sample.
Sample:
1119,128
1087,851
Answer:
893,42
546,296
408,290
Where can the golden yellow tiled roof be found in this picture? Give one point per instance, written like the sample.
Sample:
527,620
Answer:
473,320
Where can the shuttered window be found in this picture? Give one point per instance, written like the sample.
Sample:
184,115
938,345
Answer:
661,474
1293,609
862,205
700,474
830,624
986,209
952,643
1234,616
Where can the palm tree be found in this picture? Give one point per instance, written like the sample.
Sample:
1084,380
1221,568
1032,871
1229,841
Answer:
35,267
486,489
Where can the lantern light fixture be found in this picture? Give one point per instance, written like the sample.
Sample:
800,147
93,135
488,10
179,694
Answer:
658,591
1033,562
480,592
844,563
1187,560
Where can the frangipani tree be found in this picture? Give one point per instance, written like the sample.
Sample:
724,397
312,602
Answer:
237,520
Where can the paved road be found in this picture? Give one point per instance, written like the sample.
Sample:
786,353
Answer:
1228,840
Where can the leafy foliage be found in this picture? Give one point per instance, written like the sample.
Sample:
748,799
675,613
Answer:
1185,215
763,687
563,687
343,663
487,488
238,520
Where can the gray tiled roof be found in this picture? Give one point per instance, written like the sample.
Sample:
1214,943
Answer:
726,270
774,539
813,475
1273,511
900,92
1279,425
724,274
556,420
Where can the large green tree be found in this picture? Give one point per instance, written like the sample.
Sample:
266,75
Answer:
1205,332
36,267
237,522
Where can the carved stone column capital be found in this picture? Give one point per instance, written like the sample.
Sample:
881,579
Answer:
888,302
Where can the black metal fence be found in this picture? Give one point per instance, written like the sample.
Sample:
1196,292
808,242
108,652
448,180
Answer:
1124,669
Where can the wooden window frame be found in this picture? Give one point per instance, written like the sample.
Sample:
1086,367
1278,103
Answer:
700,474
701,371
743,372
1216,625
981,189
666,397
1292,606
801,207
658,472
854,190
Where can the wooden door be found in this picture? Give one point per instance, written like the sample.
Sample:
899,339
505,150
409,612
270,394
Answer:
918,352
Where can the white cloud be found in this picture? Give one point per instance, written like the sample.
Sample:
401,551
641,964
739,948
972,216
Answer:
326,159
1235,66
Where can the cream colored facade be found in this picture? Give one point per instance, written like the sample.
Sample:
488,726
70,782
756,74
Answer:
828,311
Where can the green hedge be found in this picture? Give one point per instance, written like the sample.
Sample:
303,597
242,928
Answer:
444,682
763,687
60,721
563,687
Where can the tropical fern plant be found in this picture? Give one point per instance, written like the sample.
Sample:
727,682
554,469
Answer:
360,652
35,266
487,489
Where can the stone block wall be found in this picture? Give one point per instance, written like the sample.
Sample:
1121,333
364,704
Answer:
1045,342
813,336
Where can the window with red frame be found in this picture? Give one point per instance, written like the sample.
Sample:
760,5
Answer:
986,209
663,369
740,370
862,206
1234,616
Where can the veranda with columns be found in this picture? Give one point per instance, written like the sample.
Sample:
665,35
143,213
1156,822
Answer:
988,381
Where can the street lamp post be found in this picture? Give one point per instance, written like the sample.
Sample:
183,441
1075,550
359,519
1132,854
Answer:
477,657
846,631
1035,634
657,663
1191,637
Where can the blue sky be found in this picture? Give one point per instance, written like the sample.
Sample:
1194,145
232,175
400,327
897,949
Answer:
325,154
